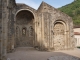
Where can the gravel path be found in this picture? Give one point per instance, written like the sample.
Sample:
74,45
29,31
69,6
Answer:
32,54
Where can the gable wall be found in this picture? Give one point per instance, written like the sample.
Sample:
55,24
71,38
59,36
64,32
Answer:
47,17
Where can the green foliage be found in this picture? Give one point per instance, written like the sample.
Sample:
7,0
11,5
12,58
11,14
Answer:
73,10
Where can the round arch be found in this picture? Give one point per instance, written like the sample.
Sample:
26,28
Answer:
24,19
24,16
26,10
59,29
61,21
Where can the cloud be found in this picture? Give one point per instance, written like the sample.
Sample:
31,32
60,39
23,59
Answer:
29,2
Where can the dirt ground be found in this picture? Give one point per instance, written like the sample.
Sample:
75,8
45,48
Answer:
30,53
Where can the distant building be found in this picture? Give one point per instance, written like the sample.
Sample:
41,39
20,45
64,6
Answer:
77,36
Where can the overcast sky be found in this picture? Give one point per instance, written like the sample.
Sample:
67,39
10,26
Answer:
36,3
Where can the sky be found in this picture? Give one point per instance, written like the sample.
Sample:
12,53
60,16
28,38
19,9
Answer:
36,3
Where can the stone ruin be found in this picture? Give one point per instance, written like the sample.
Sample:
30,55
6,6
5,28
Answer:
46,28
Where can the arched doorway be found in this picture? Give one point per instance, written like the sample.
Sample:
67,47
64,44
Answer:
25,30
59,35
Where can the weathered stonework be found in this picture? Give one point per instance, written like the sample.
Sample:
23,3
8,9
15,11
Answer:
45,29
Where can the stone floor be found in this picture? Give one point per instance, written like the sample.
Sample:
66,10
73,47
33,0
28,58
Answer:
23,53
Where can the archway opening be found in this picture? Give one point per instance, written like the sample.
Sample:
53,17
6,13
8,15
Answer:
24,21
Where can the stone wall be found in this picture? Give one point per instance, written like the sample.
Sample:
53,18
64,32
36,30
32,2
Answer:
5,17
11,8
0,29
4,26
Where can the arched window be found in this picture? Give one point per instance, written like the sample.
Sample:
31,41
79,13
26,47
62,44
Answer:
24,31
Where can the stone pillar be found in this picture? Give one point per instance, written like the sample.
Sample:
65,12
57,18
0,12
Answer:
0,29
35,28
4,29
42,29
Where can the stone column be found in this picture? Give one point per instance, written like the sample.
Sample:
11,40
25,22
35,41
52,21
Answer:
4,28
35,28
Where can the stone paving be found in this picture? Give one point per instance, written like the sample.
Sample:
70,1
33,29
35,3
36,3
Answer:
32,54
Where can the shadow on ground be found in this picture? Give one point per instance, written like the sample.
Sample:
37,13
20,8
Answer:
63,56
32,54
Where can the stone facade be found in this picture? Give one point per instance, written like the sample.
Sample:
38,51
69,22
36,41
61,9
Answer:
45,28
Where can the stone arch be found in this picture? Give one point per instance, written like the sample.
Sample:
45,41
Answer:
23,10
59,34
24,19
24,16
63,22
